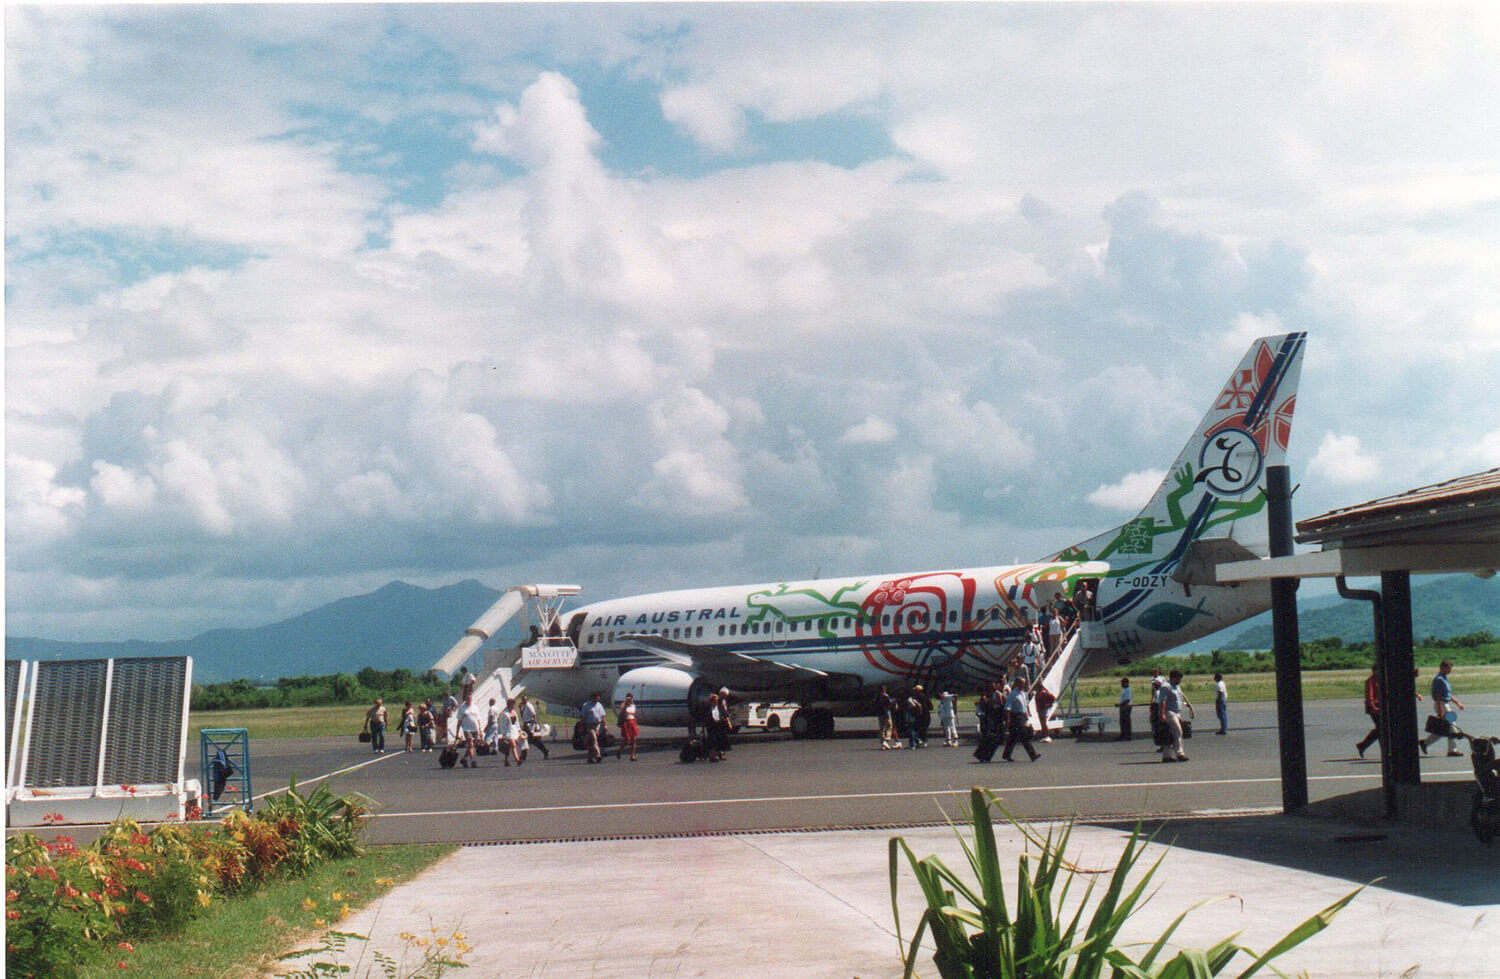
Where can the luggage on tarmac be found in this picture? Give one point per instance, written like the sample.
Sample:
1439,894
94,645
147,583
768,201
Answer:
449,757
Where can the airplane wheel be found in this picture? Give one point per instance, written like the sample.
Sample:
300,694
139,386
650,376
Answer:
800,724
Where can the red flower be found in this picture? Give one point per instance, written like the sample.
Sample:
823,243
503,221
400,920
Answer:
128,788
143,897
53,817
126,946
13,915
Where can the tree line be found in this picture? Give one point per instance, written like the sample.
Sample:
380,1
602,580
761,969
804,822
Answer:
334,689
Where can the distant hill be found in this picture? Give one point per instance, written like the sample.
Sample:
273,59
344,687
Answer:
1451,605
397,625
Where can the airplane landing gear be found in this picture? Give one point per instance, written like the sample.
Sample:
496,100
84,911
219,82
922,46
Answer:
813,722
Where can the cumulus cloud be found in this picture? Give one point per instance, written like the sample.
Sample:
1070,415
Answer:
1343,461
874,430
904,281
1131,493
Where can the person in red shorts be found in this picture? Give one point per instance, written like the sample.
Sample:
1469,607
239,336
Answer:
629,730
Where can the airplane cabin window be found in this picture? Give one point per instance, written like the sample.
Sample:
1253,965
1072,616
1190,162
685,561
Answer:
700,632
721,630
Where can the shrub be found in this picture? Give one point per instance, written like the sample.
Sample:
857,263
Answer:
1030,935
64,903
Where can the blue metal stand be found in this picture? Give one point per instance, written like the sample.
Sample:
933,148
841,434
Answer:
221,746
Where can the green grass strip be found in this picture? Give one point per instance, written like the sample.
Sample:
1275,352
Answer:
241,936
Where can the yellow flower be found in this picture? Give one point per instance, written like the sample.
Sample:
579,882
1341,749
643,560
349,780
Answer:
336,896
460,936
319,923
343,912
384,882
204,899
308,904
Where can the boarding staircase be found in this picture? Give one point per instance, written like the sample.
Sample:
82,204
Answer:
1060,671
502,676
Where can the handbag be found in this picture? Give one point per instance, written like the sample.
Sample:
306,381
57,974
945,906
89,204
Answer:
364,737
1187,729
1438,725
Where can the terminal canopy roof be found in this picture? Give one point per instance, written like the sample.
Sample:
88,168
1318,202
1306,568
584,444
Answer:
1446,527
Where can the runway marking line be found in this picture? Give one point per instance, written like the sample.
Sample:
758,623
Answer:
862,795
318,778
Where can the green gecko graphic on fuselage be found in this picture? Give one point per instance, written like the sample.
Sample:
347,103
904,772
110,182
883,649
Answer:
834,605
1137,536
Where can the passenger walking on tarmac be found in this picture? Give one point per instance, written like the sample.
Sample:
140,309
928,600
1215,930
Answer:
629,730
512,737
1016,706
593,715
718,727
1443,703
990,725
1157,683
492,727
1124,704
468,732
446,719
426,722
526,711
375,721
885,706
1044,701
1171,705
1372,708
1221,703
408,724
918,717
948,717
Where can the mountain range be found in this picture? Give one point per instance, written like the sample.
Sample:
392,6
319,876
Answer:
402,625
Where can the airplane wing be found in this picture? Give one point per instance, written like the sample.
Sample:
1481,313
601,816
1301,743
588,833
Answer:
738,670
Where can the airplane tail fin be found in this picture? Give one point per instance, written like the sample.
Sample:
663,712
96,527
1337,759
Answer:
1216,487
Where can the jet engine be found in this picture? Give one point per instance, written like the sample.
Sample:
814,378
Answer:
665,696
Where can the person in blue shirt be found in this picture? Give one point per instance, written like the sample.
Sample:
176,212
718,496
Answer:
1170,703
1443,702
1017,706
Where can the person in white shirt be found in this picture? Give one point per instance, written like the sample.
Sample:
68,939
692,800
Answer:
1221,703
526,711
492,728
512,737
1125,705
948,717
468,730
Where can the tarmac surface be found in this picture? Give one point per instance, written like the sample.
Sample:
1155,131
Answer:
776,861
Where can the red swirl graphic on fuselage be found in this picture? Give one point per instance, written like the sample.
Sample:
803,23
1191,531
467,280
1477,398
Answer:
916,605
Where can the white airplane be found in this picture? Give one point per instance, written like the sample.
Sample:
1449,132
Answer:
830,644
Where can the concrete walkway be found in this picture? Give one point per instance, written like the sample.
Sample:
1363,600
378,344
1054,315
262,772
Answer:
818,904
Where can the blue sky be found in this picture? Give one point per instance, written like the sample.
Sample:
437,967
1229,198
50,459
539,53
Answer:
303,299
